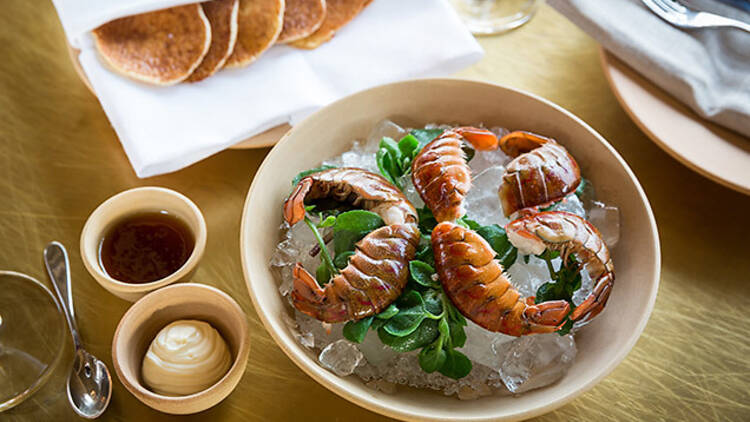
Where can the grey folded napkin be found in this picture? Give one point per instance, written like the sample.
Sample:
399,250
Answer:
706,69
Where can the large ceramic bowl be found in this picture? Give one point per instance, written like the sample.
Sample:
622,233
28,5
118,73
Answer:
601,345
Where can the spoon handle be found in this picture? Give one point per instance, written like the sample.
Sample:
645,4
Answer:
56,260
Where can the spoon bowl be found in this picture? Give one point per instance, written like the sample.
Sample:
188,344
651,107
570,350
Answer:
89,382
89,385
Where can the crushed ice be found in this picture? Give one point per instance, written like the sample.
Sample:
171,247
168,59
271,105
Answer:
341,357
501,364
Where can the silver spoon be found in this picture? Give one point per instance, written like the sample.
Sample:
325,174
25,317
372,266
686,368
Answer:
89,382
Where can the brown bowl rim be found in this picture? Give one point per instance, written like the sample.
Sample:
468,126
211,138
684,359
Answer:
238,365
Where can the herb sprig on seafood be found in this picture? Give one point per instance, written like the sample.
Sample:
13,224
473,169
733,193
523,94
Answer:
421,318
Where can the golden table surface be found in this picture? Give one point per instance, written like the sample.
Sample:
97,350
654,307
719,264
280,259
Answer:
59,158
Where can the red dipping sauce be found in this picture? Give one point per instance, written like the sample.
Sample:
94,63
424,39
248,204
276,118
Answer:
145,247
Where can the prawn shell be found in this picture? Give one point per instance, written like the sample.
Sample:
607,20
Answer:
570,234
538,176
478,287
355,186
374,277
441,177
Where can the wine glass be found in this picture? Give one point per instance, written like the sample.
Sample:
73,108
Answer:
32,339
485,17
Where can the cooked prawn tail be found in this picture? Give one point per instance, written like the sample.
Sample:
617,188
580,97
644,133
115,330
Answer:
596,301
481,139
568,234
306,288
520,142
310,298
441,174
548,314
294,206
541,173
354,186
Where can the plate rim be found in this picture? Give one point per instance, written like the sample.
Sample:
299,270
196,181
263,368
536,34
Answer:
606,61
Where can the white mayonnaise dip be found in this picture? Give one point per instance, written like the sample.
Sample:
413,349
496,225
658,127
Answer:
186,357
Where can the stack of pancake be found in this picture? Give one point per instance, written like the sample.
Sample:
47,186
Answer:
190,43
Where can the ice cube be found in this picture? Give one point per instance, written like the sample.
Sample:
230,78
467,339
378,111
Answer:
302,336
295,247
323,334
588,194
410,191
368,372
385,128
307,340
359,157
482,345
527,278
442,126
537,360
586,287
607,220
290,322
484,160
285,275
382,385
473,392
375,352
570,204
499,131
341,357
482,202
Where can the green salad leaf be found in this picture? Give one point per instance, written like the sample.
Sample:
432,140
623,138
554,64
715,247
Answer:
469,152
411,313
342,260
456,365
427,221
424,250
421,337
387,159
421,318
356,331
389,312
394,158
433,356
351,226
327,269
421,273
498,239
565,281
425,136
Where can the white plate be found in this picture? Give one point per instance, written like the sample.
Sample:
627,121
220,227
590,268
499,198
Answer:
717,153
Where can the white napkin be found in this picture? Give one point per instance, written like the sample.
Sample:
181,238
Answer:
707,69
164,129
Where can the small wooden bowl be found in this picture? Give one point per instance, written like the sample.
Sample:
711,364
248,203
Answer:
133,201
148,316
